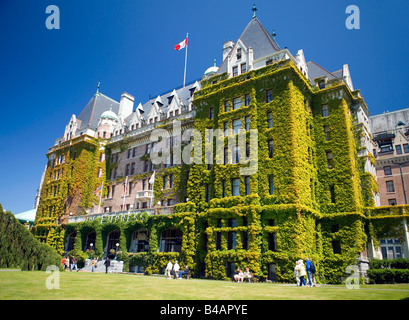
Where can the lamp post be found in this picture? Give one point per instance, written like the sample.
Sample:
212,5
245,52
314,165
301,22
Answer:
90,249
116,252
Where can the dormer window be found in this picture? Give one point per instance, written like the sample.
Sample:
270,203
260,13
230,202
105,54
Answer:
238,55
235,71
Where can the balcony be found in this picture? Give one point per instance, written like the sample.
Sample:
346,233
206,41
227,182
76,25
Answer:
144,195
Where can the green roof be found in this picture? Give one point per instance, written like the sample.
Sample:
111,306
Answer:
29,215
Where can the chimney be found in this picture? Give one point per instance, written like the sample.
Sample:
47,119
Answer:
227,46
125,105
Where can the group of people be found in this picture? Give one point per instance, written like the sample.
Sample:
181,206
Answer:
300,271
240,276
68,263
175,270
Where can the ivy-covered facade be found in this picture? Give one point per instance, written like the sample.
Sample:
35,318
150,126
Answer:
311,195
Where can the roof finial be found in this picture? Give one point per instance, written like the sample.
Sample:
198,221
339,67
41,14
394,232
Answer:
254,10
98,87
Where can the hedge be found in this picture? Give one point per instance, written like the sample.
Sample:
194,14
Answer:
20,249
381,276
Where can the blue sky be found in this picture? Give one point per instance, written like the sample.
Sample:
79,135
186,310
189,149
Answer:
128,45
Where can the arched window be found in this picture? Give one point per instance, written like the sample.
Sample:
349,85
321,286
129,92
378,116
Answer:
112,240
171,240
90,239
69,245
140,241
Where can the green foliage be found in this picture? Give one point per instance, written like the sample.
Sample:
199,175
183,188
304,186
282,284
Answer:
19,248
381,276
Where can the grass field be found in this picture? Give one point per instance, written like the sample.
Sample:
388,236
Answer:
26,285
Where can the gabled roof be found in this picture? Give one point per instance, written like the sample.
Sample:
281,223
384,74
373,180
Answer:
256,37
316,71
98,104
183,94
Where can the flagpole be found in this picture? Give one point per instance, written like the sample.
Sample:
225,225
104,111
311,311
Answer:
123,202
100,197
187,42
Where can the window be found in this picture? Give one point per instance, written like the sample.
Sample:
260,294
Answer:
321,84
226,105
207,192
271,184
269,95
129,153
127,170
324,110
398,149
247,185
171,240
330,162
392,202
246,99
236,126
332,193
327,132
243,68
336,247
235,71
225,155
406,148
223,188
271,242
112,191
236,103
148,148
247,123
269,120
231,240
269,62
270,148
211,113
390,248
387,170
389,186
235,187
235,154
226,128
135,152
171,181
238,55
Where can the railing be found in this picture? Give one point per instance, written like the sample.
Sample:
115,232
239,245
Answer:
144,194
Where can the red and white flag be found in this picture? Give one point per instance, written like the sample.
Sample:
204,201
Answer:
181,45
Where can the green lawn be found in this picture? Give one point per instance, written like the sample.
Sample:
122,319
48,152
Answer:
26,285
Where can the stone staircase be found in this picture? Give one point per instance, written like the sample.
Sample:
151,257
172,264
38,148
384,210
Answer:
115,267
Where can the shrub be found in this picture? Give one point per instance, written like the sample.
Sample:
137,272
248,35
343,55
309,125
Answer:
382,276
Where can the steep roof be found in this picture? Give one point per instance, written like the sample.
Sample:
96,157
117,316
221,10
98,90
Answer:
184,95
98,104
316,71
256,37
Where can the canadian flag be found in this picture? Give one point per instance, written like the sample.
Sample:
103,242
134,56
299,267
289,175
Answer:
181,45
